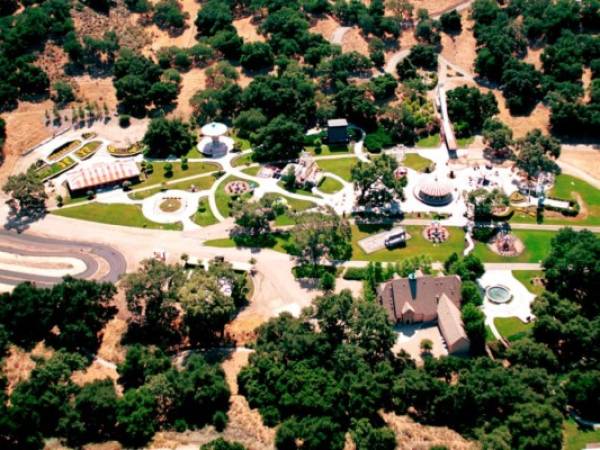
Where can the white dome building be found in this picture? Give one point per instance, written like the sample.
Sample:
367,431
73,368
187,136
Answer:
434,192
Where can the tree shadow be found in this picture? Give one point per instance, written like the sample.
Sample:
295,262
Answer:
21,220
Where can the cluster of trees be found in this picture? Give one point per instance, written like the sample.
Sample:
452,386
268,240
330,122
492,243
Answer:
566,31
371,19
167,305
324,374
469,108
91,54
157,396
376,183
138,83
168,137
68,316
469,269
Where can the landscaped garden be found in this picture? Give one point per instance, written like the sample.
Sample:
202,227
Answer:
568,187
132,150
417,162
529,279
417,245
204,216
242,160
63,150
342,167
46,171
512,328
536,245
223,199
294,206
252,171
199,183
115,214
160,174
88,149
330,185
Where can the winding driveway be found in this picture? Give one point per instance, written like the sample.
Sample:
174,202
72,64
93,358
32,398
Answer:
96,257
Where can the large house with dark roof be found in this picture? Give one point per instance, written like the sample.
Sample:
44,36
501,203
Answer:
419,299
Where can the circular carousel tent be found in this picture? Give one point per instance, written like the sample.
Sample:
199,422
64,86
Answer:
434,192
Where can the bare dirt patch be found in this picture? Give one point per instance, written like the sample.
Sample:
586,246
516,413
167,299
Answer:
247,30
51,61
325,27
96,371
191,82
18,364
460,49
534,56
583,157
521,125
587,81
25,127
436,6
120,20
414,436
354,41
162,38
96,90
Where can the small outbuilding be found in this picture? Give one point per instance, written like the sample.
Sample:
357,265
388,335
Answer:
337,131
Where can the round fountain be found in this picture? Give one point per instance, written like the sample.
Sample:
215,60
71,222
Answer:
215,143
498,294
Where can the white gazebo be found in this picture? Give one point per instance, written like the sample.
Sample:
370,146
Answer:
215,143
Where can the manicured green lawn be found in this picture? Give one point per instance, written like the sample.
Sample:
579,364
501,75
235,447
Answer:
341,167
526,277
242,160
299,191
566,187
278,245
464,142
223,200
204,216
293,204
537,246
201,183
417,162
325,149
415,246
252,171
244,143
158,175
115,214
576,438
511,328
429,141
330,185
489,335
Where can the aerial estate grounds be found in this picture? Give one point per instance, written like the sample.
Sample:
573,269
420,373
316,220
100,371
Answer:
299,225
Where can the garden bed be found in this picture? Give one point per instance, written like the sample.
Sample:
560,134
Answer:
330,185
88,150
132,150
63,150
46,171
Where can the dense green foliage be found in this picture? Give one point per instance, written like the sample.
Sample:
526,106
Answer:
165,137
468,109
79,309
316,382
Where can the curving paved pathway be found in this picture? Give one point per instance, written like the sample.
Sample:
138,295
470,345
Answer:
89,253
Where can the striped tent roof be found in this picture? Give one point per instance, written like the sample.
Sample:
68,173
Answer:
101,173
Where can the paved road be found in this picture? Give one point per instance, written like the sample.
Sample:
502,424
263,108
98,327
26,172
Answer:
87,252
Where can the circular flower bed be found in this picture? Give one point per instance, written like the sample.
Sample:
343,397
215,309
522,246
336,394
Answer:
170,205
237,187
